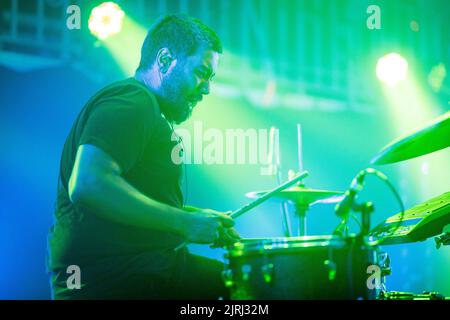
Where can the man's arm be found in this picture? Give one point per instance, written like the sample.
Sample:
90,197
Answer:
96,184
189,208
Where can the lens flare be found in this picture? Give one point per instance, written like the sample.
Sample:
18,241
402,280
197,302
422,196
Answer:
392,69
106,20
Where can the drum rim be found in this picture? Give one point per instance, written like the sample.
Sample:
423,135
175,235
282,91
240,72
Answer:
278,243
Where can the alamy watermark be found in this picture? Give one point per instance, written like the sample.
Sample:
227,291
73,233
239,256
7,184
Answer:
374,19
374,279
74,280
227,147
73,20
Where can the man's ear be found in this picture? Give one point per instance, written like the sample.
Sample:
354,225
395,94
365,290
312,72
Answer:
164,59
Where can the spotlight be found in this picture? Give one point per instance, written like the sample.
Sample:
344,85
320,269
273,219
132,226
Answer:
437,76
392,68
106,20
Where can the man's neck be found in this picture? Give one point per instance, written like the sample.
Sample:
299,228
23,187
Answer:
148,80
151,78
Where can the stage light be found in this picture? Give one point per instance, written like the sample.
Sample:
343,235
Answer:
392,68
106,20
414,25
437,76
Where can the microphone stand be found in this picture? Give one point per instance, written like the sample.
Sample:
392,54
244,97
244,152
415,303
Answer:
366,209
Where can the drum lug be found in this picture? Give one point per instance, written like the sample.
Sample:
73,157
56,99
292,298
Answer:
267,271
385,264
245,270
331,267
227,277
386,271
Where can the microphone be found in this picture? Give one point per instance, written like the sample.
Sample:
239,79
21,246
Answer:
342,208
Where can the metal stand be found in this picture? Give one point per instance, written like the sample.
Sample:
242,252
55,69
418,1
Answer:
301,214
444,238
275,160
286,221
284,208
366,210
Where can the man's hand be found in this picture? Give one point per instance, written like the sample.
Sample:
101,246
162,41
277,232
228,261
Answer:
227,236
206,226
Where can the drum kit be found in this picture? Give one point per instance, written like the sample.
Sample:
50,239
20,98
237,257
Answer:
340,265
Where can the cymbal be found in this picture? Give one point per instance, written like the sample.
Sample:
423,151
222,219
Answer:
302,196
432,137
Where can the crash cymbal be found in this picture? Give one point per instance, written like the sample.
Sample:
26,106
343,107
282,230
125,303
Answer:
302,196
432,137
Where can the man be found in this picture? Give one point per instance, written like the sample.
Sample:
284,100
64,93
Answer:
119,210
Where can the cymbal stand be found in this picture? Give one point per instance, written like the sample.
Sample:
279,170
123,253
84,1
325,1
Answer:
300,211
276,163
285,212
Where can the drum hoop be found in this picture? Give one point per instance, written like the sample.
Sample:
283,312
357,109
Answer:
259,245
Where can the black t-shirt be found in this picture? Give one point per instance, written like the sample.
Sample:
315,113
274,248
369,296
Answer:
125,121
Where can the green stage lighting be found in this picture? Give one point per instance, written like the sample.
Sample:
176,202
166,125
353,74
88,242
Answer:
106,20
392,69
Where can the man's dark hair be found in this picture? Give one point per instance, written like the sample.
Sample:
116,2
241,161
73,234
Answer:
181,34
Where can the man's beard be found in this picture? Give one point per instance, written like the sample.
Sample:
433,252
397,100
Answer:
174,106
173,111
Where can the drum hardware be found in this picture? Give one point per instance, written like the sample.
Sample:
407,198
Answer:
267,271
301,211
384,264
444,239
302,198
301,208
343,208
432,137
331,267
366,209
275,163
349,203
397,295
342,229
227,277
246,269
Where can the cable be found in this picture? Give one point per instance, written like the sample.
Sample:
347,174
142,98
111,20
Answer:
183,148
186,188
356,220
384,178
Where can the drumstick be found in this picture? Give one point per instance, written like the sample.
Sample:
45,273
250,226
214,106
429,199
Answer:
256,202
237,213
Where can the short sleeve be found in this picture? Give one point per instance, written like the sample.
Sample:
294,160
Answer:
121,125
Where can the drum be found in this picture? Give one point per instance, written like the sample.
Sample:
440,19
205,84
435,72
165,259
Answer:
310,267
